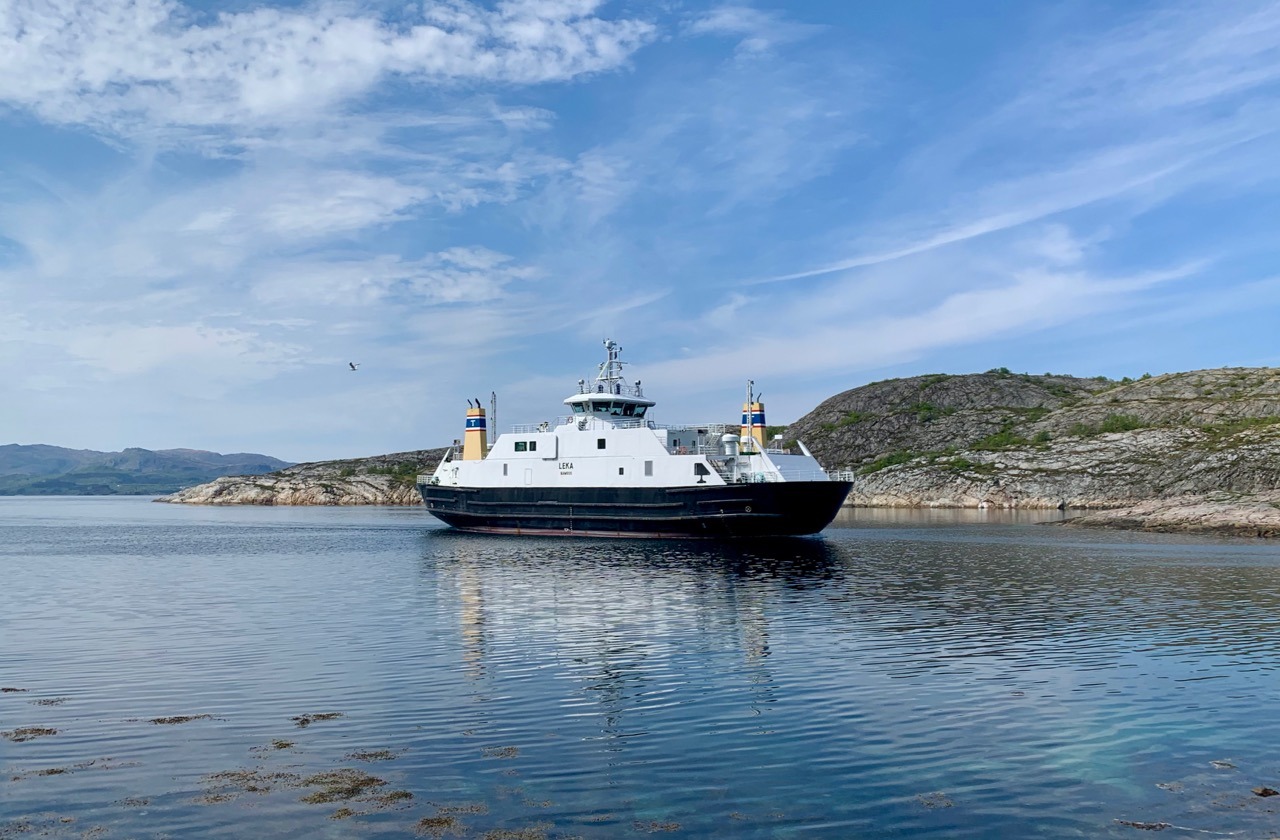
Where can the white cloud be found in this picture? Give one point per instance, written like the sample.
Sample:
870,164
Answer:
127,67
457,275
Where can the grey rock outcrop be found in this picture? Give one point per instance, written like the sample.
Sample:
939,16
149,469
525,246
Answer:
1256,515
380,480
1016,440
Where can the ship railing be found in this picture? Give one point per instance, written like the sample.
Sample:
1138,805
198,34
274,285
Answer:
813,475
621,389
427,479
615,422
534,428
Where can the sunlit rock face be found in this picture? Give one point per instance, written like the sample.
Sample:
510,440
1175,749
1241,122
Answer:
1207,440
380,480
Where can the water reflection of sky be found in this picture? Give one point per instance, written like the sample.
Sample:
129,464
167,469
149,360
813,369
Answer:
890,678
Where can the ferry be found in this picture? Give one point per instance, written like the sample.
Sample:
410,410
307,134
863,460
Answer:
608,470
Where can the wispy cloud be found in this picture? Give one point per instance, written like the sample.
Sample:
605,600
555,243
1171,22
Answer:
149,65
758,29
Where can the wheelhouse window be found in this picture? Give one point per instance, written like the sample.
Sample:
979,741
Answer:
599,443
521,446
579,408
533,446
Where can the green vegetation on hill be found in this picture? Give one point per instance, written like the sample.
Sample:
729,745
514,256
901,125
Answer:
894,421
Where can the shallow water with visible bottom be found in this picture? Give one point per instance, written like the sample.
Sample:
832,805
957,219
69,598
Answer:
175,671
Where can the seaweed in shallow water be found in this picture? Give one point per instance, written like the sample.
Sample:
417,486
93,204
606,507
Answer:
339,785
303,721
27,733
438,826
179,719
372,755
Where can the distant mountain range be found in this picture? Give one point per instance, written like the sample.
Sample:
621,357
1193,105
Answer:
40,470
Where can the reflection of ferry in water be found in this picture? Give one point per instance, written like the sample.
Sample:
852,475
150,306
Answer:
608,470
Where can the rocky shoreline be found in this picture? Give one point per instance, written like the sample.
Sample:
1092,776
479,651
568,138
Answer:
1221,514
379,480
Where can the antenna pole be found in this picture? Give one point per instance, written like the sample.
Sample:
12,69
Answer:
493,417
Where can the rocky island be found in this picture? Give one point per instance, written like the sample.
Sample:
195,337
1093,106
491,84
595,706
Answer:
1196,451
379,480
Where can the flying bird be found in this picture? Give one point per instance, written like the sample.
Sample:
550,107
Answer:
354,365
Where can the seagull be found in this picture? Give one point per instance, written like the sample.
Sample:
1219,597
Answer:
354,365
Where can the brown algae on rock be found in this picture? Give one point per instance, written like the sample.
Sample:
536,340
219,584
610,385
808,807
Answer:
303,721
229,784
438,826
533,832
340,785
373,755
501,752
655,826
386,800
28,733
168,721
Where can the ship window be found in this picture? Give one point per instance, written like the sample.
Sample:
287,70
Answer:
640,410
599,443
700,468
533,446
615,409
598,407
521,446
504,469
579,408
629,410
622,470
648,467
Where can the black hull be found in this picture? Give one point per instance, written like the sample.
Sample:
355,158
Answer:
789,508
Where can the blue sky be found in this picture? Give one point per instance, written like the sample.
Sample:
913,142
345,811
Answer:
207,210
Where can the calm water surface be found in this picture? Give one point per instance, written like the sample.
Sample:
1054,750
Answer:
904,675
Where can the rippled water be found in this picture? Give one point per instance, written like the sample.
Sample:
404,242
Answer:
905,674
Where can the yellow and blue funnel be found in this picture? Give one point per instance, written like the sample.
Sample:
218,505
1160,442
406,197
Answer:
753,423
475,443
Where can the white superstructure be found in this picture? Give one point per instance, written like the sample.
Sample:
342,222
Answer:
610,441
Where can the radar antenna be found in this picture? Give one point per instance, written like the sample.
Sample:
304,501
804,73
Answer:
611,370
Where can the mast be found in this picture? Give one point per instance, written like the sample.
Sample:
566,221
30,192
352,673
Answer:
493,417
611,370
